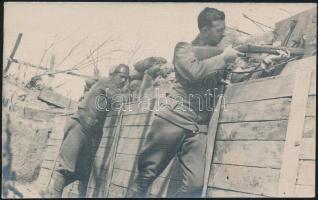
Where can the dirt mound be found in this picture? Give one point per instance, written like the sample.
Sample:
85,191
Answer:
29,140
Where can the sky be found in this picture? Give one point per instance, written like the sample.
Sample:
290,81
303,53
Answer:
132,31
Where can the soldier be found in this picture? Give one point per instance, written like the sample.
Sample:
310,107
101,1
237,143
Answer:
180,126
77,151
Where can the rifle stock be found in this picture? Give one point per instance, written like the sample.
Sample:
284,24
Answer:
208,52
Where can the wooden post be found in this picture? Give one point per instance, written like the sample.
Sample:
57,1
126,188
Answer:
16,45
51,70
212,129
146,81
113,153
288,173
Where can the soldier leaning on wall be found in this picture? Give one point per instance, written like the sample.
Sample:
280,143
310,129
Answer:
77,151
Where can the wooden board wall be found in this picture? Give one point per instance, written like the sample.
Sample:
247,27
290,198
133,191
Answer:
248,151
251,136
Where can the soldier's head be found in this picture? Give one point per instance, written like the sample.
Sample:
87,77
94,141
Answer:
120,75
211,25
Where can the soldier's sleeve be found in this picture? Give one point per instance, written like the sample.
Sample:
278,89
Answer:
90,82
192,69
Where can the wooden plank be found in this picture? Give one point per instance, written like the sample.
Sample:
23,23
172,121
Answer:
304,191
139,107
267,130
102,152
51,152
306,173
304,63
313,83
54,98
111,121
54,142
122,178
106,142
261,181
58,129
116,191
98,185
307,148
216,192
309,127
112,153
135,132
211,136
311,106
126,162
101,163
48,164
109,132
130,146
45,174
15,48
38,115
138,120
274,87
294,134
59,124
249,153
112,113
274,109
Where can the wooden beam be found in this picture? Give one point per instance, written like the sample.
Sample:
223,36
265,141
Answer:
259,131
216,192
288,174
112,154
212,129
249,153
269,88
272,109
54,98
254,180
16,45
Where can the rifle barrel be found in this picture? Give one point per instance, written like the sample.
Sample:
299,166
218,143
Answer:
268,49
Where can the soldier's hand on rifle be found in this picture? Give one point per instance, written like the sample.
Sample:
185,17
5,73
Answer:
272,59
229,54
282,55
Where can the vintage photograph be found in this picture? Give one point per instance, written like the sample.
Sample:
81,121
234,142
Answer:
158,100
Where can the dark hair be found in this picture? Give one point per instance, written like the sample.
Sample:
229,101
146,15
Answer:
207,15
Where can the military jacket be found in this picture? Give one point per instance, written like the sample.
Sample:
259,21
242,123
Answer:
93,109
191,101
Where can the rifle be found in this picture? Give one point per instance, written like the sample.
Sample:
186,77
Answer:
207,52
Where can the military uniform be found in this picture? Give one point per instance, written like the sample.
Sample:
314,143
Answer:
180,126
81,131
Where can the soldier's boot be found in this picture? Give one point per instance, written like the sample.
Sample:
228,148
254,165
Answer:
58,182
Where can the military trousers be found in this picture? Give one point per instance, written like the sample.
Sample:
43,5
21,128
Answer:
77,151
165,141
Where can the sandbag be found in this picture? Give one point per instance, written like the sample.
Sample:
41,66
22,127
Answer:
135,75
142,65
153,71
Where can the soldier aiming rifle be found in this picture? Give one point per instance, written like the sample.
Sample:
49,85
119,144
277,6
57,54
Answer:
180,126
